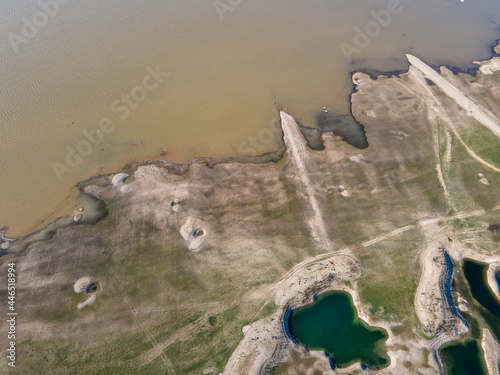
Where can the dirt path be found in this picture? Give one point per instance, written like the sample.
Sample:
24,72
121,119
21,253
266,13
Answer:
143,326
299,153
462,100
439,109
299,267
447,161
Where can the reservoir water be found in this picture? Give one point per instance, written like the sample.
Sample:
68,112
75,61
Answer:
87,86
331,324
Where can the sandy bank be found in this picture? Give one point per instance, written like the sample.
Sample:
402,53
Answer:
300,156
492,278
471,107
491,349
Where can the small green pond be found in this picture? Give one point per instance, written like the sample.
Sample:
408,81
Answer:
463,359
331,324
476,275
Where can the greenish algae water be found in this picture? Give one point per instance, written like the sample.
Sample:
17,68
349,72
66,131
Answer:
489,307
331,324
463,359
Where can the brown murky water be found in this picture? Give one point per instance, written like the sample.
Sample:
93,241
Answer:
84,85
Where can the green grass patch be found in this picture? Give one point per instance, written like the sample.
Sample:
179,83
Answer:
483,142
391,275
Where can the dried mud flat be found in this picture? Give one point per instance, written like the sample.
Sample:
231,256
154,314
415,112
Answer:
198,263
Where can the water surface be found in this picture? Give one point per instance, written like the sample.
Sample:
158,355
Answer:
331,324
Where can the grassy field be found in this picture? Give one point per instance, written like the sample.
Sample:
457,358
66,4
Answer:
391,278
483,142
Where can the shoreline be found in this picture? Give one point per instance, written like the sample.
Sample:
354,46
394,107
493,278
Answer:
261,158
20,243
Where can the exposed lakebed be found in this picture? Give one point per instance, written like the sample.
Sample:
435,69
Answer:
331,324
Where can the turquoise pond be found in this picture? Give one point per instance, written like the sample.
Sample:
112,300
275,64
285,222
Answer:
331,324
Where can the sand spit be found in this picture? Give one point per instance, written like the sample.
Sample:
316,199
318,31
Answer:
437,110
491,349
434,306
300,157
429,299
471,107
